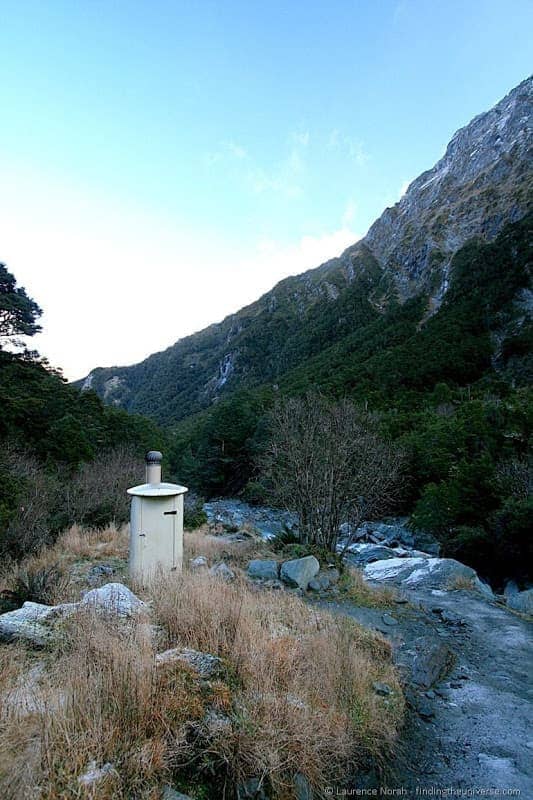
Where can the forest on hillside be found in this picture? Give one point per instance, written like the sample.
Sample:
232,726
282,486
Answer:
453,390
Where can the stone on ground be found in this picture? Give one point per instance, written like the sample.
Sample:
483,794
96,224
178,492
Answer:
263,569
222,571
432,662
113,598
32,622
204,664
198,563
299,571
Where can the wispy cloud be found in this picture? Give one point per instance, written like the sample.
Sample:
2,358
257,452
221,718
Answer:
226,151
349,145
348,215
287,177
403,189
284,178
301,138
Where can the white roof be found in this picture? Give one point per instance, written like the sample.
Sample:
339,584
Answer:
158,489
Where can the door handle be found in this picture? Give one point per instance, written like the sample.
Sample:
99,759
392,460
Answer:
167,513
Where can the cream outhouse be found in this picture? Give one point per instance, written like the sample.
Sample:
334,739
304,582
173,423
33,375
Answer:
156,523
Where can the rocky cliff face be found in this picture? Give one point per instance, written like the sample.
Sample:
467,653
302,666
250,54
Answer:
483,182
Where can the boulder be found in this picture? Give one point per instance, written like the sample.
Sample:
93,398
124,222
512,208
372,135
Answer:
197,564
431,663
511,587
263,569
394,533
319,584
204,664
222,571
482,587
299,571
33,622
113,598
426,542
423,572
324,580
520,601
367,553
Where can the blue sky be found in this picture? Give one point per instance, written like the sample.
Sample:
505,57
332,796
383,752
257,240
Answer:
174,160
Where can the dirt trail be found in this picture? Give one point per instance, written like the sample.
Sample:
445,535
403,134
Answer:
471,733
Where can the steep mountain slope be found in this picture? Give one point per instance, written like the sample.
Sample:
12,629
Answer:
482,183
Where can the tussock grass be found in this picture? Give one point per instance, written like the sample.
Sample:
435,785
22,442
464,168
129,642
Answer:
295,693
353,587
460,582
217,548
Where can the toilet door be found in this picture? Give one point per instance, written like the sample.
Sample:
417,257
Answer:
158,545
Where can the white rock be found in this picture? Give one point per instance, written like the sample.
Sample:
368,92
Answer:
113,598
222,571
198,563
32,621
424,572
95,774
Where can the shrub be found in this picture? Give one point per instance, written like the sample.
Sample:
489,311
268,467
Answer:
39,583
327,462
28,494
96,494
193,512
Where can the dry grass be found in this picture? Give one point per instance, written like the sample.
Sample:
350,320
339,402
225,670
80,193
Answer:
217,548
354,587
295,692
461,582
102,543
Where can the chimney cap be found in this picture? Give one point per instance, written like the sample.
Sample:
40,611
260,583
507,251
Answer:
153,457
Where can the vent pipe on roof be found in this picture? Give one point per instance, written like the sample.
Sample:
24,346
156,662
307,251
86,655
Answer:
153,466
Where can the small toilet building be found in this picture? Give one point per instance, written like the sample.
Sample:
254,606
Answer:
156,523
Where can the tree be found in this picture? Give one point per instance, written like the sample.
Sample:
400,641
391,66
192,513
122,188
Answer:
328,463
18,312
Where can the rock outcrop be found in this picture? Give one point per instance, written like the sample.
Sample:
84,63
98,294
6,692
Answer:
424,572
521,601
36,623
